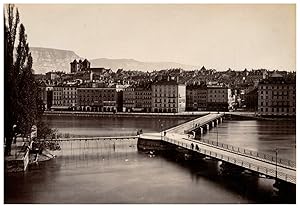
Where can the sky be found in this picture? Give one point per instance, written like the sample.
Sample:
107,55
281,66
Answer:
217,36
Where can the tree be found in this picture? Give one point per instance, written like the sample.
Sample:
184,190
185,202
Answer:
21,105
10,92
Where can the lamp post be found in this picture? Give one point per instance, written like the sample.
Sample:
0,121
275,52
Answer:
161,132
217,136
276,153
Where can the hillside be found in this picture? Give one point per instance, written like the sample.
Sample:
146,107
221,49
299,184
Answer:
48,59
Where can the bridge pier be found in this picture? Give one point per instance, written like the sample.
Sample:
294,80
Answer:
201,131
207,127
217,122
212,124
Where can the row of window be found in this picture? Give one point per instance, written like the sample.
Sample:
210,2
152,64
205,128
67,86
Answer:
165,100
165,105
217,100
276,103
275,97
194,97
277,87
216,96
92,99
165,95
278,110
276,92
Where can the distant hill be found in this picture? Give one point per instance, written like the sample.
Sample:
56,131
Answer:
48,59
131,64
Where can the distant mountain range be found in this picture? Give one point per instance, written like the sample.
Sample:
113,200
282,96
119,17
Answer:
48,59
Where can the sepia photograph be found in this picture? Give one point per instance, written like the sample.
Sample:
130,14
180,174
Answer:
149,103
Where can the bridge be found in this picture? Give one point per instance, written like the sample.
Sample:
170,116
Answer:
261,163
183,136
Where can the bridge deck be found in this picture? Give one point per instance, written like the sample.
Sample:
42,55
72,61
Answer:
191,125
251,163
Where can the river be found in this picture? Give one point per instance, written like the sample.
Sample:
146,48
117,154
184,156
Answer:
115,172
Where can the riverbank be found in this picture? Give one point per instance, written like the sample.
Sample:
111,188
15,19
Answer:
185,115
125,114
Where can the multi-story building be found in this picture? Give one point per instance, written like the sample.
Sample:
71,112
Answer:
70,96
143,98
276,96
196,97
251,99
218,97
168,96
128,99
97,99
57,96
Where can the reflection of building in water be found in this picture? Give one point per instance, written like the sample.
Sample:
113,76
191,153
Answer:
277,96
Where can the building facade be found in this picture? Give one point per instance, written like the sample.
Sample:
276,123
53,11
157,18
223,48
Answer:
58,98
276,97
70,96
218,97
168,96
196,97
251,99
128,99
97,99
143,98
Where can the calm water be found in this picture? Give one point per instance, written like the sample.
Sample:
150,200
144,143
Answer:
115,172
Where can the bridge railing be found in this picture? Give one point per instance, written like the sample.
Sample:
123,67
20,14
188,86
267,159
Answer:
247,165
194,123
252,153
195,126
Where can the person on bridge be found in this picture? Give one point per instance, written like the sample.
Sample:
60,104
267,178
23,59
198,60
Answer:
192,146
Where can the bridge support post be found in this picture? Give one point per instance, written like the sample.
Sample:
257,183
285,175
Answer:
212,124
217,122
207,127
221,120
201,131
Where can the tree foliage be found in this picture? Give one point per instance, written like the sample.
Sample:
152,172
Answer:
22,103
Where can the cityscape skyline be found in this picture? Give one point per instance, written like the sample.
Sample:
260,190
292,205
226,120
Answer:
237,36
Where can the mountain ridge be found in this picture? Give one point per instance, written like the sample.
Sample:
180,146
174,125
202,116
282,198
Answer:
51,59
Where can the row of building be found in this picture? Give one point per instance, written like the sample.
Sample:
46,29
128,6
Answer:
168,96
272,96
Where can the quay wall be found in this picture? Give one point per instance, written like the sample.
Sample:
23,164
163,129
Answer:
124,115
